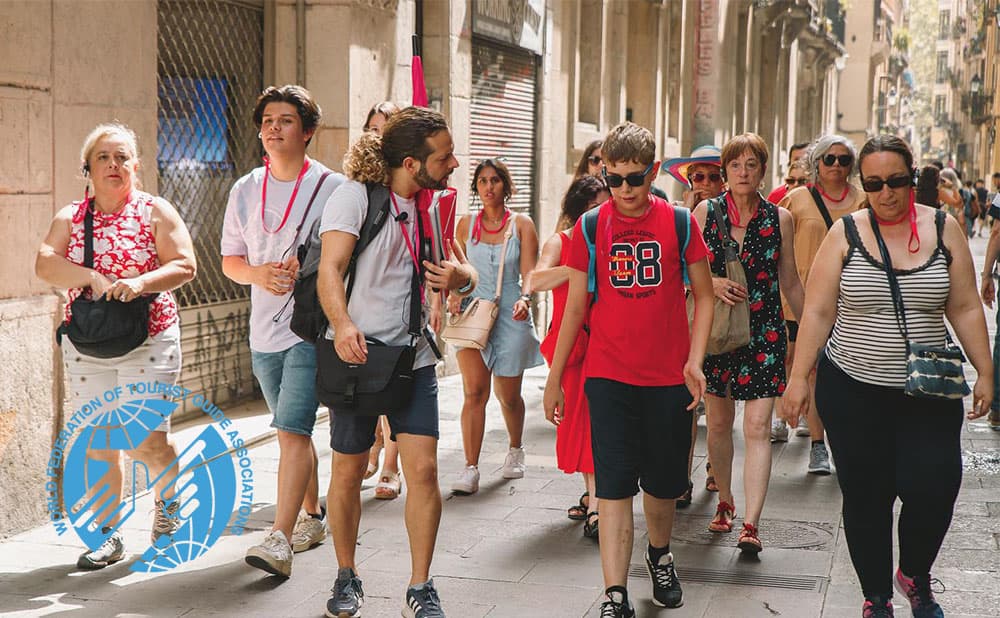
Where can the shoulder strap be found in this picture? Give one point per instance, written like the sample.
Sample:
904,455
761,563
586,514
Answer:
716,205
821,205
939,221
378,212
88,236
897,294
312,198
851,231
682,227
589,228
503,256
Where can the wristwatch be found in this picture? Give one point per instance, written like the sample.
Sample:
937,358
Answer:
526,298
465,289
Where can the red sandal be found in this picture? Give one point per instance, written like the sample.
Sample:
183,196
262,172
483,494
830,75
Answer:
725,513
749,542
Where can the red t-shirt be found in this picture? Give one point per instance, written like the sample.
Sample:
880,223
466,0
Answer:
779,192
638,326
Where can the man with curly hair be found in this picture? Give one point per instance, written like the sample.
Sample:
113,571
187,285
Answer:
414,152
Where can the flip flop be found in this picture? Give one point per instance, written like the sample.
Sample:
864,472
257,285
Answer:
578,512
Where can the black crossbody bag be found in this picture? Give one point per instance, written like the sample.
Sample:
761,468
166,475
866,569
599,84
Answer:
104,328
932,371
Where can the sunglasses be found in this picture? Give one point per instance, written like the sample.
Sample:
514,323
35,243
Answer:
874,185
634,180
844,160
796,181
701,176
595,160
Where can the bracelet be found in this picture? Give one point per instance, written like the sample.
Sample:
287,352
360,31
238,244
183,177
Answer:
526,298
465,289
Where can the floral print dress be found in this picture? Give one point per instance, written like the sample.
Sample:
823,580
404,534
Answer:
757,370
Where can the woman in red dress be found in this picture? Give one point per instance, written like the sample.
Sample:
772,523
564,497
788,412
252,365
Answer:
573,452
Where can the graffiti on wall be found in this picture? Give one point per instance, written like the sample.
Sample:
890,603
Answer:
220,365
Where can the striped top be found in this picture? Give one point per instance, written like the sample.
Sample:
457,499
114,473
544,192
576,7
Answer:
866,342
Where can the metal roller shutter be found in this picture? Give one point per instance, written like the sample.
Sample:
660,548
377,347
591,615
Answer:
502,122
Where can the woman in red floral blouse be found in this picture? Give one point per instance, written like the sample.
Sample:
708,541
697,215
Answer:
141,247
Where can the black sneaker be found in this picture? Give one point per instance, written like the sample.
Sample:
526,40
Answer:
617,605
348,596
666,587
877,606
423,602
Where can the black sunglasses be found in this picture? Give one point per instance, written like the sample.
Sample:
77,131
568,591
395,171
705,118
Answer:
844,160
595,160
796,181
875,185
634,180
701,176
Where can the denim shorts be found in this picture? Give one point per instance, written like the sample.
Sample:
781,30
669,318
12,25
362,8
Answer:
351,434
288,381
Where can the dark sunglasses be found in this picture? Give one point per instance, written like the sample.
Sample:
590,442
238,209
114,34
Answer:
796,181
874,185
844,160
594,160
634,180
701,176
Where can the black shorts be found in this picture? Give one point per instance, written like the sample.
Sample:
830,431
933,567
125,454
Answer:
351,434
793,330
640,436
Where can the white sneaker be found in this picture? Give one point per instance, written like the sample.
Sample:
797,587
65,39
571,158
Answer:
513,465
308,532
273,555
779,431
802,429
468,481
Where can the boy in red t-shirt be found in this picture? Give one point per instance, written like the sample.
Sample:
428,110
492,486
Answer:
642,369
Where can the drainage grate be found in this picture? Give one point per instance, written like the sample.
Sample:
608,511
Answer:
807,583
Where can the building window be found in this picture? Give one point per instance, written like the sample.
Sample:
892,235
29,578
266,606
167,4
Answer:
944,24
590,45
939,108
942,67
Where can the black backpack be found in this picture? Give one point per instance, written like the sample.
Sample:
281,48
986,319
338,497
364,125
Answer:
308,320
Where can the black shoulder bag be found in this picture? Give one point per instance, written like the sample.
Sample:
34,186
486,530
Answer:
932,371
104,328
383,384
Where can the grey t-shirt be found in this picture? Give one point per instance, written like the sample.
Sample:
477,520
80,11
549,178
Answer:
243,234
380,300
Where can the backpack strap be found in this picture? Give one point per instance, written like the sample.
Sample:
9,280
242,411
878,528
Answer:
589,228
378,213
682,227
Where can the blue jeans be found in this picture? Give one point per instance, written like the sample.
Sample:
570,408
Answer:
288,381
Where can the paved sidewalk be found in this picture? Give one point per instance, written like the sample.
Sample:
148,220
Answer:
510,550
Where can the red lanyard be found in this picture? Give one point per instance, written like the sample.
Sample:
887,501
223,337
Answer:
406,236
478,226
291,200
912,216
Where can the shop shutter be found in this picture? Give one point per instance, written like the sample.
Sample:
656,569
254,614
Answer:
502,118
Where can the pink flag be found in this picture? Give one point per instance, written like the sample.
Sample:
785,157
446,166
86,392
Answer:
417,74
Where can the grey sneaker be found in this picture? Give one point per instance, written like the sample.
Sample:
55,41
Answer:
819,460
274,555
165,520
423,602
779,431
513,465
348,596
111,551
308,532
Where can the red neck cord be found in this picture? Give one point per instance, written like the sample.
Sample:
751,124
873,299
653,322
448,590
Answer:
479,226
291,200
912,216
409,243
842,197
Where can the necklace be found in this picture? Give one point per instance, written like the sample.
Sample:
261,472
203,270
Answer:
480,224
291,200
842,197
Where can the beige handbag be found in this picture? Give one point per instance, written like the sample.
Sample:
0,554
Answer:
471,328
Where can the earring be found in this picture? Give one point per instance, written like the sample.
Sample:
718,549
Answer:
260,135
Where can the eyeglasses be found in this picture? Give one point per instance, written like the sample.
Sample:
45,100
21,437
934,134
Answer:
796,181
874,185
634,180
844,160
595,160
701,176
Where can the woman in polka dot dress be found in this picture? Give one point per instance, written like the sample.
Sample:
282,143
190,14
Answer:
754,373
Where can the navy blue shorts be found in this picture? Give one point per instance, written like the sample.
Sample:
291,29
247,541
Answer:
351,434
640,436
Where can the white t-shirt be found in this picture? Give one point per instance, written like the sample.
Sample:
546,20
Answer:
243,234
380,300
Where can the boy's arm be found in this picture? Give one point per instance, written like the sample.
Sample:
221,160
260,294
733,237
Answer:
700,276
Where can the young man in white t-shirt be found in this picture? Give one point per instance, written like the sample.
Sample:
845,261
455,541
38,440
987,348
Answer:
270,212
414,152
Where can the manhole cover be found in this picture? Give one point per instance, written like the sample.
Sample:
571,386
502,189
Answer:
983,461
773,533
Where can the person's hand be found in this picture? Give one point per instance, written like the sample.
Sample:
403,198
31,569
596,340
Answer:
452,273
521,310
349,342
693,197
982,398
99,284
125,290
988,290
728,291
275,277
291,264
794,402
694,380
434,319
553,400
454,304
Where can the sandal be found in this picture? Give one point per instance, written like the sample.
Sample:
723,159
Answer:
389,487
578,512
749,541
710,484
373,454
723,520
685,500
590,529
